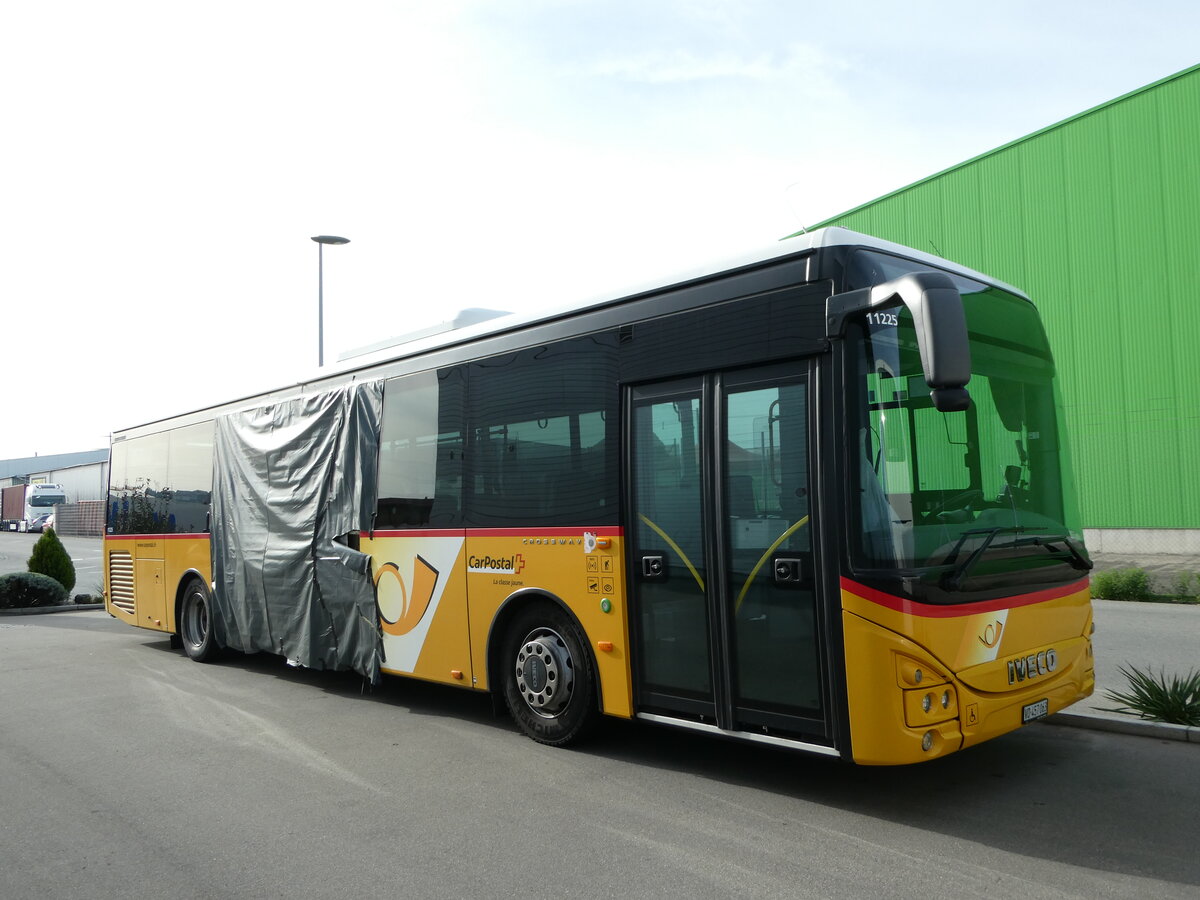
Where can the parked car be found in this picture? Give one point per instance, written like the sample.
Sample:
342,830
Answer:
39,524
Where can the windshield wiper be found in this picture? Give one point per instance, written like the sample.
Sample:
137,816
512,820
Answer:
1078,559
958,576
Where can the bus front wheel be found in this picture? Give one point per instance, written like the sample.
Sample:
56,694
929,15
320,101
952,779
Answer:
549,677
195,623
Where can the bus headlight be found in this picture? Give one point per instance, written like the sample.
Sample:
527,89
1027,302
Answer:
923,708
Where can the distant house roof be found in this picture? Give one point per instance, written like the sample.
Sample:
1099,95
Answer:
14,468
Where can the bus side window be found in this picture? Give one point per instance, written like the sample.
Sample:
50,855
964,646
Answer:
543,425
421,451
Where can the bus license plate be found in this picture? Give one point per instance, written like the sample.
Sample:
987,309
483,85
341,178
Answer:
1034,711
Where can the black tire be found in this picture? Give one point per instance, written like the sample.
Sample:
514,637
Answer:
548,675
196,621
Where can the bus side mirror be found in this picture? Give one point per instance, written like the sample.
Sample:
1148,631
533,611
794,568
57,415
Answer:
938,319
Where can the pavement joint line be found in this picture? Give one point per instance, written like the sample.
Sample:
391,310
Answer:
39,610
1140,727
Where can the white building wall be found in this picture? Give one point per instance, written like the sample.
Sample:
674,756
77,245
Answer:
1143,541
80,483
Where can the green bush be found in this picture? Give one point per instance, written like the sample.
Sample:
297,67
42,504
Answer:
1176,701
19,590
1122,584
1181,585
50,557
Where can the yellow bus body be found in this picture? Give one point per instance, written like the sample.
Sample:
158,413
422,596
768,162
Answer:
423,580
157,565
963,655
441,595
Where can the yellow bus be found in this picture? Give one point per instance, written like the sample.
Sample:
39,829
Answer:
818,498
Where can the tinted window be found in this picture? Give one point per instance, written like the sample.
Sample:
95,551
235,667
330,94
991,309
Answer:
189,476
46,499
162,483
986,491
421,451
543,430
753,330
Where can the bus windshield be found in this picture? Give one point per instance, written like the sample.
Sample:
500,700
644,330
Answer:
975,500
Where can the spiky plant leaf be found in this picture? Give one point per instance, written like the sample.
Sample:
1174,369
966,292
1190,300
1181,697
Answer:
1157,698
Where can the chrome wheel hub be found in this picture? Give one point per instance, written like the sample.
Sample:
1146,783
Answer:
545,672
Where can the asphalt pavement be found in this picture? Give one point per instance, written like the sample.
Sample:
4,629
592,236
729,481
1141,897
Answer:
132,772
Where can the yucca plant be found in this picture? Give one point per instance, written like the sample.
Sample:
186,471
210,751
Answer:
1156,698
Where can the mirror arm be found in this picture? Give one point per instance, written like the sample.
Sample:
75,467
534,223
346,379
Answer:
938,319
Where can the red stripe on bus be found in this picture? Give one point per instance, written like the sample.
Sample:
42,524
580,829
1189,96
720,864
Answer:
153,537
415,532
607,531
610,531
932,611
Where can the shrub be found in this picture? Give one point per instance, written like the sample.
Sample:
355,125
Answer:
1176,701
1122,584
21,589
1181,585
50,557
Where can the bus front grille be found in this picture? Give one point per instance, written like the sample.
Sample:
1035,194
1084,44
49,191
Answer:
120,580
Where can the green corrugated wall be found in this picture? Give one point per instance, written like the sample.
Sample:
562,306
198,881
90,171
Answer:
1098,219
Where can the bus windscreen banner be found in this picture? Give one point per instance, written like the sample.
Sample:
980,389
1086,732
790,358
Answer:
291,480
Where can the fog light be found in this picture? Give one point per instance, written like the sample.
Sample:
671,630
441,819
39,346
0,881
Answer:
945,699
927,702
927,741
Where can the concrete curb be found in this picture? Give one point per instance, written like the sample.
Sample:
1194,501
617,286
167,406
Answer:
39,610
1161,730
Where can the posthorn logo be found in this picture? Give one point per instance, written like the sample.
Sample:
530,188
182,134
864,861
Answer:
399,608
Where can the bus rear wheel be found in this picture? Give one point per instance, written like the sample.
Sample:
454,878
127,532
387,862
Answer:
195,623
549,677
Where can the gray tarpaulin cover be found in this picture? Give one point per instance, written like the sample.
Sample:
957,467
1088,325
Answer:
290,479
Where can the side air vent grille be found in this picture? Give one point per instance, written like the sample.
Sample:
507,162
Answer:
120,580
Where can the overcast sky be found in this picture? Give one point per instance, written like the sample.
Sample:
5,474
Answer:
165,164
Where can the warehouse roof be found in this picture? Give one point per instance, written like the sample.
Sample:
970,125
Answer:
15,468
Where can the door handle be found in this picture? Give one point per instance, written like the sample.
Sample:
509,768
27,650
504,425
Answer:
789,571
654,568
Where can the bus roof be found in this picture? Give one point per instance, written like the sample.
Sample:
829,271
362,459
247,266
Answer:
354,367
832,236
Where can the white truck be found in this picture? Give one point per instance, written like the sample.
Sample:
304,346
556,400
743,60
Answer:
24,503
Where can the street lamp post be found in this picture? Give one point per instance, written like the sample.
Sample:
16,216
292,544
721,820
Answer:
322,240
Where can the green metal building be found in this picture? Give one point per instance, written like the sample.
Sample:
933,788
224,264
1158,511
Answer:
1097,218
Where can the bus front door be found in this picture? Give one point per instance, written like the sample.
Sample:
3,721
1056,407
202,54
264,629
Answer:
722,565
